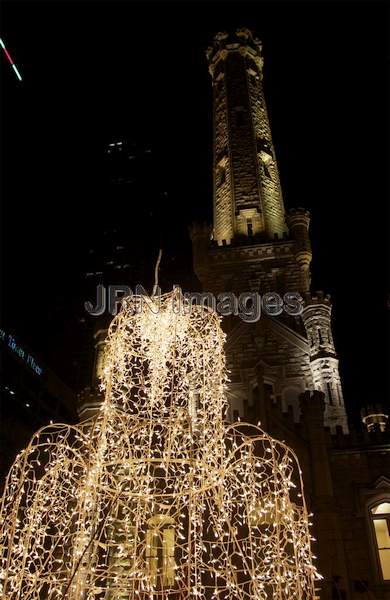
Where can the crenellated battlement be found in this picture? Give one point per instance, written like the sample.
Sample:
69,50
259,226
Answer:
242,40
374,418
316,298
313,405
298,216
358,439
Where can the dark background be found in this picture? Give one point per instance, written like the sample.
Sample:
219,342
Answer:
96,72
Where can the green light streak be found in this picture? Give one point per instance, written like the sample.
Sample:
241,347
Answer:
17,73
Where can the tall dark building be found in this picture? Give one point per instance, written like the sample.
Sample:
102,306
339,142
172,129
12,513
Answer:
123,250
31,395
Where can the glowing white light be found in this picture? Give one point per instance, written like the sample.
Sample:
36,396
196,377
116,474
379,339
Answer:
156,496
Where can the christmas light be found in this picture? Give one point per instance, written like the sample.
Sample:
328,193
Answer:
157,497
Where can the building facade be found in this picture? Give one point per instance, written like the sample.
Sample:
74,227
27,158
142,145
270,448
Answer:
284,368
257,247
31,395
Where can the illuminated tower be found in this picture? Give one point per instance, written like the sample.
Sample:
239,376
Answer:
247,196
255,246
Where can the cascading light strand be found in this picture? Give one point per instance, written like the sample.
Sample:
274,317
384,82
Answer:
11,62
156,496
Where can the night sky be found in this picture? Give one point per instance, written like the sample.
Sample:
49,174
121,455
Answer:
95,72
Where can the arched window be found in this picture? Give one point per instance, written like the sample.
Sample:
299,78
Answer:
380,518
220,176
160,551
329,393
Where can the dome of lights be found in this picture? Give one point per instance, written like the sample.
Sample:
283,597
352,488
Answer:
157,497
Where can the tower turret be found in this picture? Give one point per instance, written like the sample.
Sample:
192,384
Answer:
324,363
374,417
298,221
247,195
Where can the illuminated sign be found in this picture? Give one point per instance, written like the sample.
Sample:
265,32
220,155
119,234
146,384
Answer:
10,341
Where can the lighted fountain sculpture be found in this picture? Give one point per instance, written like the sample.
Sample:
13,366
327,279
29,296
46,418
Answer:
156,496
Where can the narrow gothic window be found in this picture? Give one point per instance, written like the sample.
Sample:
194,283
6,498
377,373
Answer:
380,518
263,145
253,408
220,176
249,225
330,398
269,391
320,336
280,283
221,155
266,171
339,393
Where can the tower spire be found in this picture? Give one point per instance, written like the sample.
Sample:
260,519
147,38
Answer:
247,195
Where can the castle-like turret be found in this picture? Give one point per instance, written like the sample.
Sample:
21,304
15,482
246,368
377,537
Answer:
247,195
374,418
324,363
298,221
